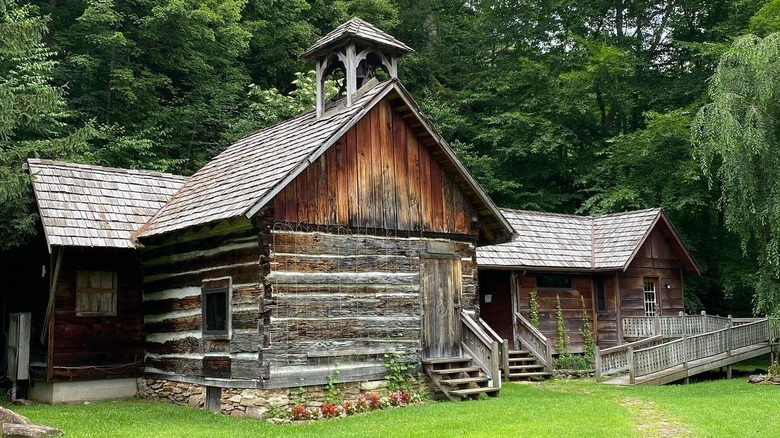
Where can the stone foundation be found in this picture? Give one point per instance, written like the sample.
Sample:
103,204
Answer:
262,403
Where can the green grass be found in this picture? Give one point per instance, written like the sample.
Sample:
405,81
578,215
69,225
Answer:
557,408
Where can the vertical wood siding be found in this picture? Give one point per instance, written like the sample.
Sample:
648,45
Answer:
378,175
111,344
655,260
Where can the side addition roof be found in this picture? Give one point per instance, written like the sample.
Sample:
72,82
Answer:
95,206
579,243
247,175
360,30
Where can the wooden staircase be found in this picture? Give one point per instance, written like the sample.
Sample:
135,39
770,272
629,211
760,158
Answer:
525,366
459,378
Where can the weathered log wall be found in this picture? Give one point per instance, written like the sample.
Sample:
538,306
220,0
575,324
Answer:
97,347
348,299
174,272
379,175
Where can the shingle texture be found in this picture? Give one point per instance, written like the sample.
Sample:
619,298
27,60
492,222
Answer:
82,205
358,29
230,184
559,241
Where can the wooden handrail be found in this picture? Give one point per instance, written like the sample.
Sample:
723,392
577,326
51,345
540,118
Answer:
481,347
503,347
536,343
690,348
616,359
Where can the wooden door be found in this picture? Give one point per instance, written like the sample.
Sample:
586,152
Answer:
441,289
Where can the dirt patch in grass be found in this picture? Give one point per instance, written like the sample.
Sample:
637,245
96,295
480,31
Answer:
650,422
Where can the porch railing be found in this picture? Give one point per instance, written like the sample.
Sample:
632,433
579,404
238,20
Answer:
672,326
774,330
649,360
536,343
615,360
483,347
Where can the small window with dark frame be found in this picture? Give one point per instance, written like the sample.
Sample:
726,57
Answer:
601,296
96,293
554,281
216,312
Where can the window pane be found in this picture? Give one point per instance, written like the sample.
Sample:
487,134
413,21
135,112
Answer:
601,296
649,298
215,309
556,281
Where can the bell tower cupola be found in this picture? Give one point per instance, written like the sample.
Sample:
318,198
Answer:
356,49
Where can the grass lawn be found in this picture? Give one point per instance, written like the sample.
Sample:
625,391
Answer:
559,408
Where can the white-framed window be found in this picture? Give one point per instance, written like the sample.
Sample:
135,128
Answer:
650,303
96,293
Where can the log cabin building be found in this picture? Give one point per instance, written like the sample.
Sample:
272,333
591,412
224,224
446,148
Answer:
309,249
79,278
618,265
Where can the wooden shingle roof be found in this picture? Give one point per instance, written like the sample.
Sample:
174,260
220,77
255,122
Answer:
359,30
247,175
95,206
578,243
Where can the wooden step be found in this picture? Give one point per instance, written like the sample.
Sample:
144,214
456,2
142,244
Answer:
521,359
464,380
455,370
445,360
519,352
473,391
530,374
525,367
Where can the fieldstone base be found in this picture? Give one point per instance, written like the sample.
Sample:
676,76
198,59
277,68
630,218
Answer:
261,403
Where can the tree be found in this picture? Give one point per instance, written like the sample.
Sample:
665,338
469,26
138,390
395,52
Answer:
737,139
33,116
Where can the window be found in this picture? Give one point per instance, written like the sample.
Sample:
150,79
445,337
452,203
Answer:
96,293
601,296
649,298
554,281
216,312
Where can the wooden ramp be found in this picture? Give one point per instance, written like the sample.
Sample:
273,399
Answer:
657,360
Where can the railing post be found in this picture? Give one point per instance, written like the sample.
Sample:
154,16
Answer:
728,337
656,325
549,356
631,369
505,360
495,358
684,325
598,364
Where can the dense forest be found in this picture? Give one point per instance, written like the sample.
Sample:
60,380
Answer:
568,106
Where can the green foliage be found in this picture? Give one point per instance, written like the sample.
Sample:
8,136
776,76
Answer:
587,334
299,394
736,136
533,306
400,376
34,119
562,339
332,392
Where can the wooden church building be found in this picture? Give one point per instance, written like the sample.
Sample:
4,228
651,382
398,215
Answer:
611,267
309,249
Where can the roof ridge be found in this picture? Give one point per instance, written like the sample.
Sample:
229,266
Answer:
106,169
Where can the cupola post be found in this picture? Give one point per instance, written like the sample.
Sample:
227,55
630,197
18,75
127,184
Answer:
356,49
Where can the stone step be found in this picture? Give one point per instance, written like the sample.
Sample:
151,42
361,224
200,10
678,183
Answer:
444,371
464,380
474,391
